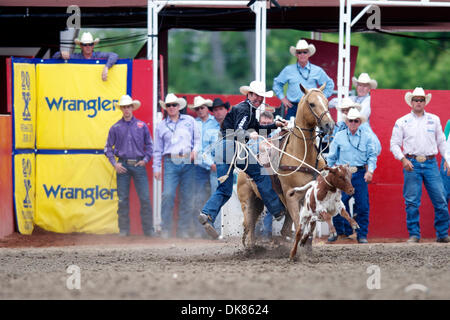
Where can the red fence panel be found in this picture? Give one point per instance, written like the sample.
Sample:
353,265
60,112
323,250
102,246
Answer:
6,196
142,89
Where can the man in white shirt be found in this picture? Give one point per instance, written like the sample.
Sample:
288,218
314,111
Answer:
420,133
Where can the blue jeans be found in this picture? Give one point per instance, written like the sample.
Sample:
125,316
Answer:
292,112
360,209
225,189
427,173
446,181
182,174
139,175
201,195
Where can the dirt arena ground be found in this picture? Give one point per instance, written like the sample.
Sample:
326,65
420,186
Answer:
111,267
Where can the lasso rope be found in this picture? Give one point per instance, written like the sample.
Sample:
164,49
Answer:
242,148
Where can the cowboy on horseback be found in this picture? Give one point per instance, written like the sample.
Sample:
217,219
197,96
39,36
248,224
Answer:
241,118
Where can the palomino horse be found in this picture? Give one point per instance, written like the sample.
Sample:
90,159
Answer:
312,111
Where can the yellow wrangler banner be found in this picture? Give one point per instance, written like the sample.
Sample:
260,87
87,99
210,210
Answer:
76,193
24,186
24,86
75,108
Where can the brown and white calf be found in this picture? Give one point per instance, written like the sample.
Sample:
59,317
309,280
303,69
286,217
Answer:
323,201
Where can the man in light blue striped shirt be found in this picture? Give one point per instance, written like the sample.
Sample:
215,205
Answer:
303,72
209,128
356,147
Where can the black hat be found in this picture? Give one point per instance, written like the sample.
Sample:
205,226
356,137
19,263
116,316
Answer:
218,102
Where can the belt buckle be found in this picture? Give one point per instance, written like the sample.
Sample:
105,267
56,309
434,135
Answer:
131,162
421,158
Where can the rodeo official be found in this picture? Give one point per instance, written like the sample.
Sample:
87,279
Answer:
129,139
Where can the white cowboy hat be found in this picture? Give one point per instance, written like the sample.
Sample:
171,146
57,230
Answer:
302,45
418,92
200,101
126,100
171,98
354,114
365,78
87,38
256,87
347,103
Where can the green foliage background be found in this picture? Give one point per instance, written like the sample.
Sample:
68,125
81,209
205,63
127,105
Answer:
395,62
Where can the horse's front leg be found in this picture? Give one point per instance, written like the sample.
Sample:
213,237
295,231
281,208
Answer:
298,236
293,206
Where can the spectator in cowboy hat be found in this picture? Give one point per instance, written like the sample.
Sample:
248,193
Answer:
87,44
209,128
129,140
177,141
241,118
302,72
363,86
355,146
345,107
219,109
420,135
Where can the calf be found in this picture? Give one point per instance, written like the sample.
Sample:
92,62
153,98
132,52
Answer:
323,201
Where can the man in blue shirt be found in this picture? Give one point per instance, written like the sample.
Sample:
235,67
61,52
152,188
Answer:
346,105
209,128
303,72
177,142
87,44
355,147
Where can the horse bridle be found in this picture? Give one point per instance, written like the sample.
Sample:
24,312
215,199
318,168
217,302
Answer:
318,119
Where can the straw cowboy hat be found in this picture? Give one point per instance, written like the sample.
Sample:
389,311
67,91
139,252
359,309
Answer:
302,45
418,92
219,103
347,103
171,98
200,101
256,87
364,78
87,38
126,100
354,114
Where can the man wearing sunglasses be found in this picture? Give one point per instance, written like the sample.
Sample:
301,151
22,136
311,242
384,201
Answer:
421,136
302,72
87,44
356,147
177,143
